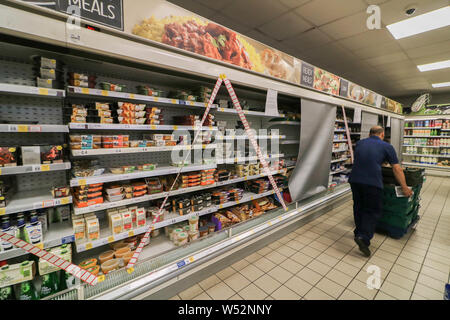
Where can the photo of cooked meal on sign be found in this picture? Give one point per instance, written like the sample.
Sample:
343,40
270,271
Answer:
177,27
326,82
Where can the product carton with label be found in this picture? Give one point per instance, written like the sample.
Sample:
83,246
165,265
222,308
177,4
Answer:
33,234
79,229
16,273
127,221
92,229
116,223
140,217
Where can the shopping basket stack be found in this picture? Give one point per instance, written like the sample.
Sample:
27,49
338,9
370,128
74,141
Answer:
400,214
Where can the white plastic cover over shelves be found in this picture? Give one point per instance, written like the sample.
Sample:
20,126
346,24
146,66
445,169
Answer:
34,168
35,128
31,200
7,88
102,126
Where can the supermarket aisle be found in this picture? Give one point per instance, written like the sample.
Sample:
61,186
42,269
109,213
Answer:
320,260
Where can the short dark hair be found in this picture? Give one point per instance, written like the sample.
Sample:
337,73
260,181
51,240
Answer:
376,131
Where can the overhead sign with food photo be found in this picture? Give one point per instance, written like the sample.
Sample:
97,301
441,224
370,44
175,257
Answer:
169,24
326,82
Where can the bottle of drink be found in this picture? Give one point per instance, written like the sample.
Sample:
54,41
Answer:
7,228
49,284
7,293
28,291
20,231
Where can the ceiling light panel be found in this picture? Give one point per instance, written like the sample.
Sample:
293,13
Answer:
434,66
441,85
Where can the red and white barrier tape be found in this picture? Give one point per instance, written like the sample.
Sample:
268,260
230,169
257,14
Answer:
73,269
349,139
144,239
252,139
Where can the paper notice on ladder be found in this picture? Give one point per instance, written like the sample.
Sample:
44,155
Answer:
388,124
272,103
400,194
357,115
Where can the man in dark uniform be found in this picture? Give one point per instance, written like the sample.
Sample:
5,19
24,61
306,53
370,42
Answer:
367,184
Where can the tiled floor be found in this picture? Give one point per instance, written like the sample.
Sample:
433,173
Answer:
321,261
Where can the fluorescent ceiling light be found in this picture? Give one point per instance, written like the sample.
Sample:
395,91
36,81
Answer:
441,85
434,65
425,22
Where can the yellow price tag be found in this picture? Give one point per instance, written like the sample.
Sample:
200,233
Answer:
131,233
191,259
130,271
156,99
105,93
174,101
85,90
2,211
82,182
43,92
40,246
245,178
204,146
175,127
22,128
89,246
221,206
191,103
210,127
153,127
101,278
110,239
252,198
221,109
64,200
0,171
45,167
237,201
132,96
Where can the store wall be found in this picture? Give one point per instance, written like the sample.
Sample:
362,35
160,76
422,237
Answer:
368,121
311,173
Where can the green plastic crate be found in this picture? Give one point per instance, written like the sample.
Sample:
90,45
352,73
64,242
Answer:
399,206
400,221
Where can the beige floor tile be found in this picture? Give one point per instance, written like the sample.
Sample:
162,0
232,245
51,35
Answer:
236,297
191,292
339,277
275,245
299,286
301,258
311,235
408,264
436,265
252,292
428,292
330,287
176,297
284,239
395,291
326,241
264,264
383,296
386,255
317,294
264,251
284,293
269,298
280,274
413,250
253,257
276,257
390,249
380,262
286,251
220,292
319,267
347,268
209,282
267,284
291,266
333,236
438,285
241,264
363,275
405,272
335,253
433,273
318,245
237,282
328,260
415,296
411,256
225,273
356,261
313,253
202,296
400,281
251,272
309,276
350,295
361,289
438,257
295,245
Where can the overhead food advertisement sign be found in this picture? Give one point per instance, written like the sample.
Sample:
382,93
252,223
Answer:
164,22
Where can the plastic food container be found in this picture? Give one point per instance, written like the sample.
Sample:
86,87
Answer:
115,198
182,239
94,270
112,87
203,231
116,170
105,256
193,223
122,251
110,265
119,245
211,227
88,263
193,235
127,257
154,233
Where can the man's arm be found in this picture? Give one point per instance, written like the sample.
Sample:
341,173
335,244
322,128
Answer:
400,176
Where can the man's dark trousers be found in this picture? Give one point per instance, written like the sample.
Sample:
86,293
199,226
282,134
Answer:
367,210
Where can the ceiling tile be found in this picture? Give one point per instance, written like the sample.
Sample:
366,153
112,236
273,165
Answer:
259,36
285,26
377,2
229,23
427,38
380,49
321,12
254,12
426,51
215,5
388,58
308,40
194,6
394,10
433,58
437,76
293,3
346,27
367,39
